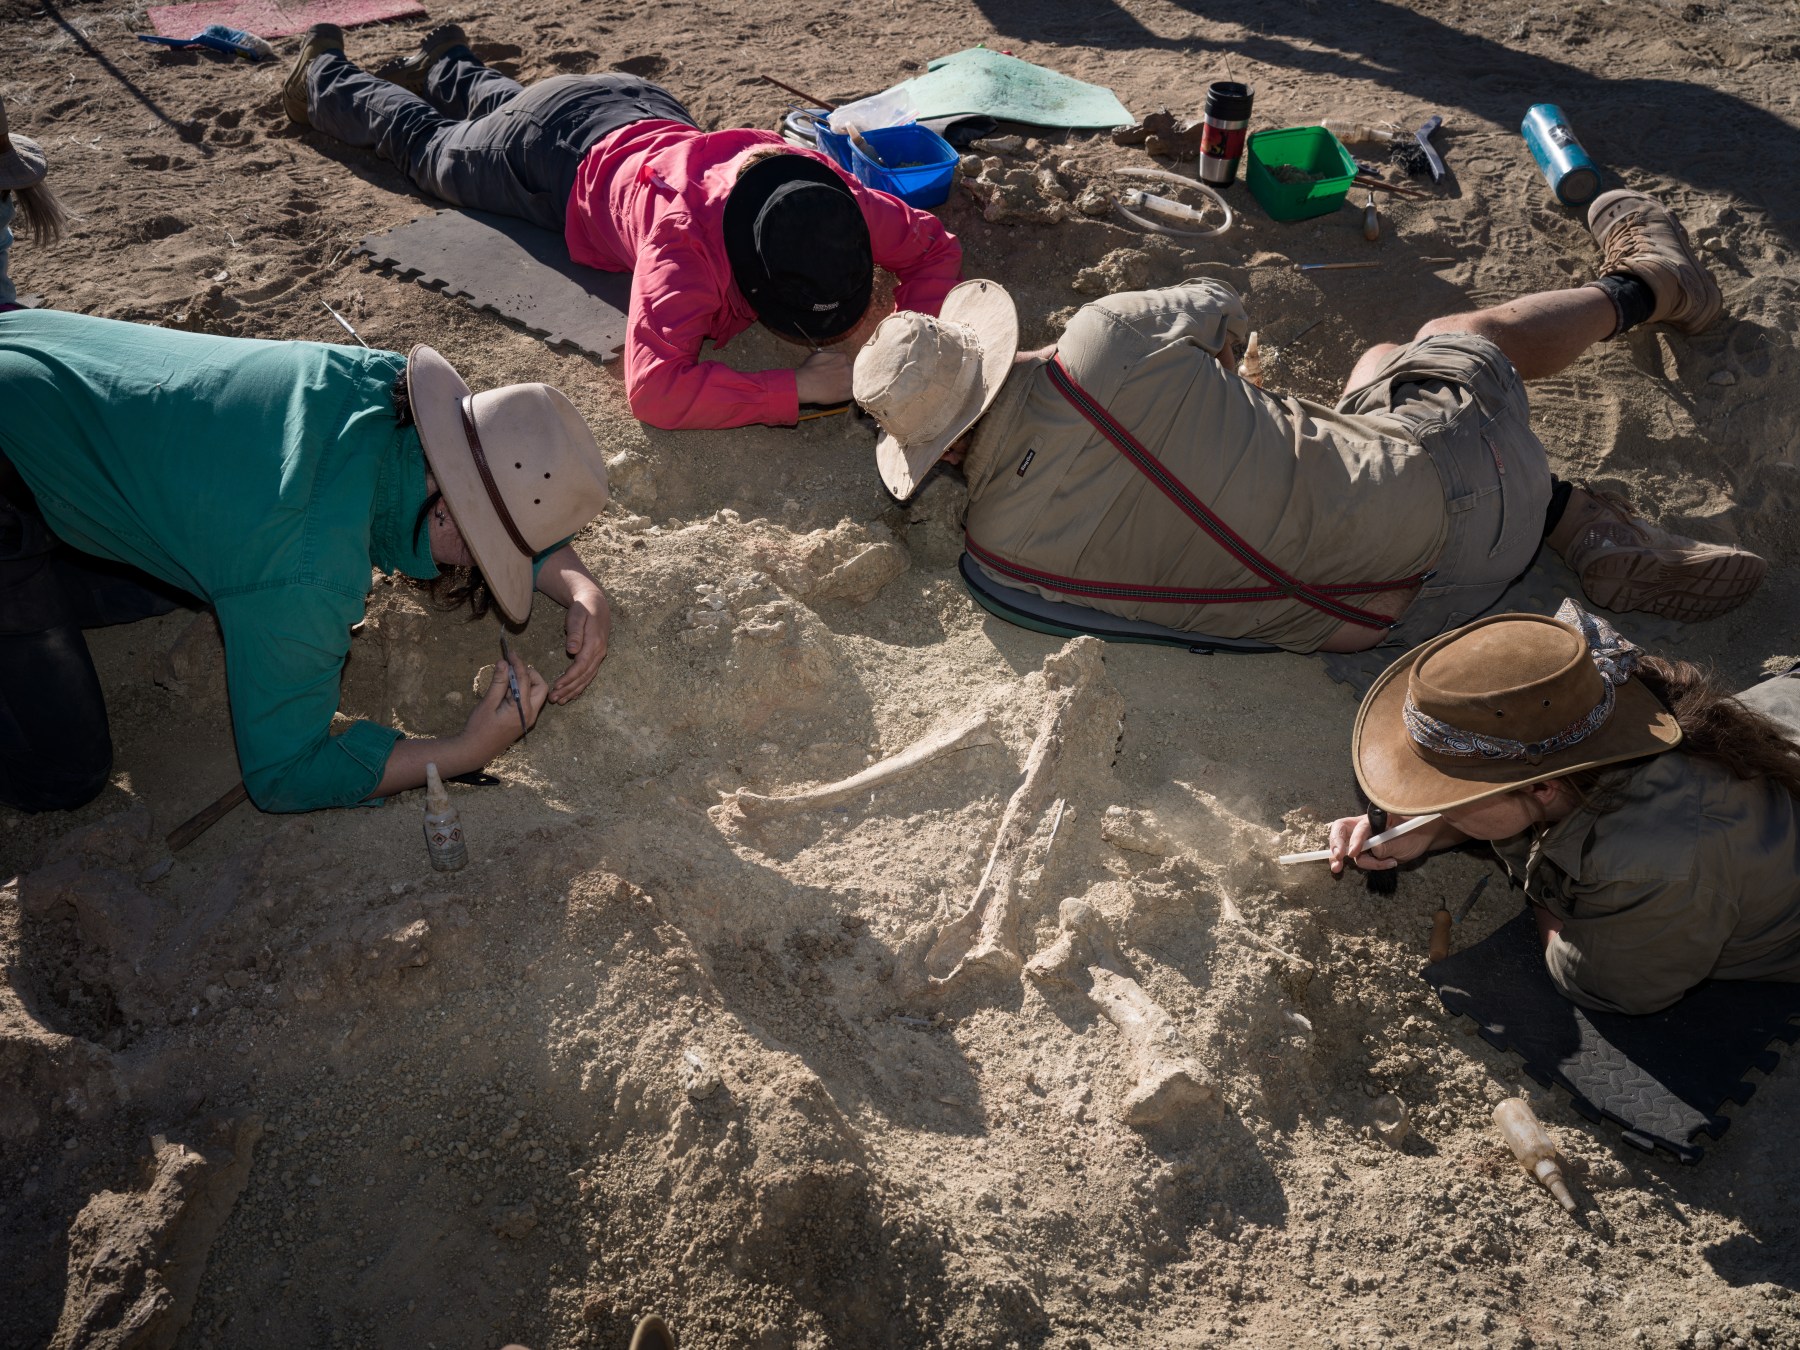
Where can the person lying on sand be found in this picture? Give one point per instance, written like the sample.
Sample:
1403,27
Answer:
267,479
23,192
1653,822
1407,509
718,229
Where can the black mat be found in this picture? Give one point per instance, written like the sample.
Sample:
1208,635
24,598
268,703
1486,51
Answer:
1662,1076
512,269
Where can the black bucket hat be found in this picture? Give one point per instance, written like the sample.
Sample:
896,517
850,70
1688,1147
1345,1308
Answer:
799,247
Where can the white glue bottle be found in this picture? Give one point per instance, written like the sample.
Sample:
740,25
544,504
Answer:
443,827
1532,1146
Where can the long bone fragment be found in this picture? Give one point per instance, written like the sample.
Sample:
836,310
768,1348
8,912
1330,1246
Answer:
970,731
985,936
1168,1083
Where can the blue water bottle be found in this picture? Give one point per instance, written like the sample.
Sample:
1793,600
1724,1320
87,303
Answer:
1571,174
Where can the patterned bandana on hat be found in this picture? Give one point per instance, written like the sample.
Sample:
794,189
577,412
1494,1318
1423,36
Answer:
1614,655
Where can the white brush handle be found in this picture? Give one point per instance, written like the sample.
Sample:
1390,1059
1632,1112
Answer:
1322,854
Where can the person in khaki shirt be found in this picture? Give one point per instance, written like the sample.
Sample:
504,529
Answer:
1130,469
1653,823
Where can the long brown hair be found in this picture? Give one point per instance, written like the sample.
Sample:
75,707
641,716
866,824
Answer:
1714,725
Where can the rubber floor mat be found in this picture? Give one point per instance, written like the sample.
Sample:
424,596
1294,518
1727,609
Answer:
514,269
1663,1076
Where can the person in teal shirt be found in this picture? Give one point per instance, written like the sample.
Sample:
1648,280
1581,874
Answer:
267,479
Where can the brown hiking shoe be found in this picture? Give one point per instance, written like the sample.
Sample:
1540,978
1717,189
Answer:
409,72
652,1334
320,38
1626,563
1638,234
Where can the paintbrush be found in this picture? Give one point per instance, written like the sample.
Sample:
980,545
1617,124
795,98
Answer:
512,680
1323,854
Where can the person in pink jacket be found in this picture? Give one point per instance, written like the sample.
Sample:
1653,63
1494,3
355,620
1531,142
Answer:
719,229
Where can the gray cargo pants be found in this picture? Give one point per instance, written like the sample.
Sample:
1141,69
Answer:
480,139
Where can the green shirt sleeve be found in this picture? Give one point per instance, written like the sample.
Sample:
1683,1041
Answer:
284,658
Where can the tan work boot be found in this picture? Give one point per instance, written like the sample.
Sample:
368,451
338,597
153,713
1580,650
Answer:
320,38
1639,235
409,72
1626,563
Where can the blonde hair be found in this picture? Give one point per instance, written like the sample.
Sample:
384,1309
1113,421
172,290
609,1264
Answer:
41,214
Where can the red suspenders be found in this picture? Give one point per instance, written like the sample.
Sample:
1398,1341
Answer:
1280,586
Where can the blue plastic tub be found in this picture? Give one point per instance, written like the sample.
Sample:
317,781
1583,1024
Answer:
929,159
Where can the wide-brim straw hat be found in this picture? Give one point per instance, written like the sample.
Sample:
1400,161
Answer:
22,162
518,468
1500,704
927,380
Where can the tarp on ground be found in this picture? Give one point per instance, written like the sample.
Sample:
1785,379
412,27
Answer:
1007,89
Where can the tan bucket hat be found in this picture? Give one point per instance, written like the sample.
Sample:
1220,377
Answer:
22,162
518,468
926,380
1500,704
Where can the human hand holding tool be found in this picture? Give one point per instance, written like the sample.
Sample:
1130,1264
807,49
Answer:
1351,838
512,680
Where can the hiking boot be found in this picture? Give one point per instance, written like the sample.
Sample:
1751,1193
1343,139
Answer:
1639,235
652,1334
409,72
320,38
1626,563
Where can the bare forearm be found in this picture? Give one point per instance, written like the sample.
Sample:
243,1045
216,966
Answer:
406,764
564,576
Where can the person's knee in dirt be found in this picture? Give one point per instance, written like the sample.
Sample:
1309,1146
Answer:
719,229
1653,821
26,197
270,480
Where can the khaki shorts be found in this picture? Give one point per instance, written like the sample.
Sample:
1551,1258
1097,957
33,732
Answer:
1460,399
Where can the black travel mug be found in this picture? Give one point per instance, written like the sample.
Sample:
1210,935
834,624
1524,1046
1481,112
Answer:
1227,118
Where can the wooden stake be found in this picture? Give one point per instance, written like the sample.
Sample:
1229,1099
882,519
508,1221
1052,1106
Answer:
191,829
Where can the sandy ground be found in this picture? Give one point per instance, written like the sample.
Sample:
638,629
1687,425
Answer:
656,1050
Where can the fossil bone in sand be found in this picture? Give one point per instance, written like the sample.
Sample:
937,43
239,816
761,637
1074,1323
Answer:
985,936
1169,1084
968,732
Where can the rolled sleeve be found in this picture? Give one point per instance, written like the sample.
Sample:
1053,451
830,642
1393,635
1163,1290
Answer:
675,298
284,659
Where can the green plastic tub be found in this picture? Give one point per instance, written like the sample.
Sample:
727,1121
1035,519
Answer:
1311,150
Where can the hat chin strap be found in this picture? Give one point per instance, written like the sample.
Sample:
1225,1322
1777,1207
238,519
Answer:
467,407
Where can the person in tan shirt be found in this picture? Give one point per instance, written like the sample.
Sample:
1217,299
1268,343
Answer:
1653,823
1131,470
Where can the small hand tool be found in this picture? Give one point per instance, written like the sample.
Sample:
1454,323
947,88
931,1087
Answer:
1474,895
1371,220
512,680
1423,137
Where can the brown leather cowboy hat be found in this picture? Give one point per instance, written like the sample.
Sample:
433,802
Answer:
1499,704
518,468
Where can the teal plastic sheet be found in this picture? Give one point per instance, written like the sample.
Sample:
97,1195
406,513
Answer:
1010,90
